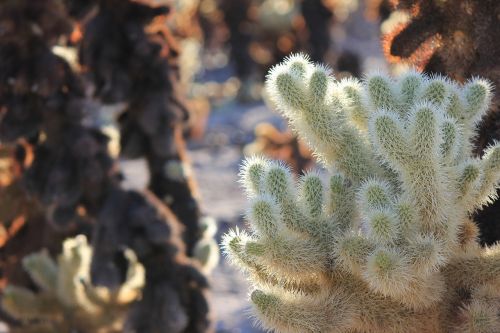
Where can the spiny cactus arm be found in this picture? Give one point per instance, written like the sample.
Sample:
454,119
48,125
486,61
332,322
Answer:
381,94
490,164
455,104
416,160
135,278
468,182
382,226
279,185
357,111
389,275
426,254
233,246
102,306
435,90
478,316
392,223
265,214
294,313
312,195
93,299
290,255
74,289
406,213
478,179
340,203
276,198
73,265
346,306
310,211
477,94
378,313
410,87
449,147
328,208
481,314
467,105
468,236
470,271
251,172
42,270
351,252
375,202
25,305
305,94
387,133
291,233
206,249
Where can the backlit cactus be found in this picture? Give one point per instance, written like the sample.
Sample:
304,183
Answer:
67,300
206,249
385,242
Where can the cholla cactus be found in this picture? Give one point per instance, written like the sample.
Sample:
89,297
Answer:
385,244
206,249
67,301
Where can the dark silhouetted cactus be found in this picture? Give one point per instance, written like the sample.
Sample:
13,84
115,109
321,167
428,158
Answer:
67,182
130,56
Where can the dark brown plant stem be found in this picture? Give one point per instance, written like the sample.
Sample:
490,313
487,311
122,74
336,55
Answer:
130,56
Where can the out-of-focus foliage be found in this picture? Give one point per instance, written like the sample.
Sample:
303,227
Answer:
66,299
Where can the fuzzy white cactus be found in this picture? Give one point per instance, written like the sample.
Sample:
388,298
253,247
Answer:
385,245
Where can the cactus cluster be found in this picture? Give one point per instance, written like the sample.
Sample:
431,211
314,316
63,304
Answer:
384,243
65,182
67,300
131,58
457,39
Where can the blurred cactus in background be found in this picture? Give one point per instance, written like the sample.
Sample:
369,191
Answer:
459,39
130,55
206,249
262,33
58,176
38,134
284,146
385,244
67,300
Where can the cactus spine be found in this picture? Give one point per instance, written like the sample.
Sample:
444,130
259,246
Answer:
385,244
